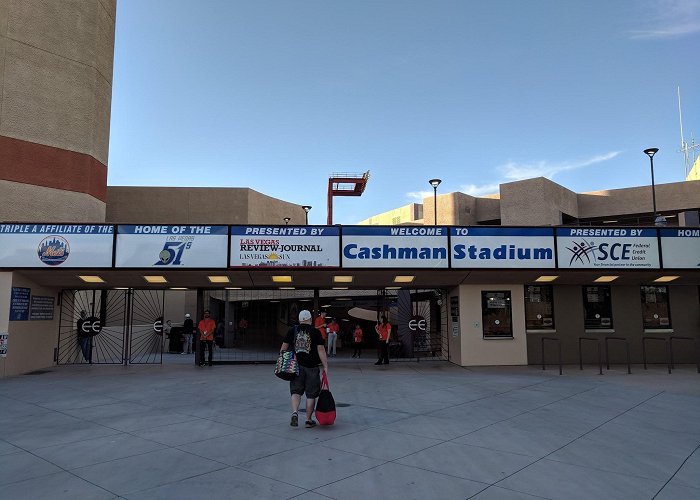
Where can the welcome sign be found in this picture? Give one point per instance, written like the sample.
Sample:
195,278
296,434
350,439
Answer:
285,246
591,248
681,248
492,247
56,245
401,247
168,246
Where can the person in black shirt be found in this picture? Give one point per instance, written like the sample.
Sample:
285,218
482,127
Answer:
307,343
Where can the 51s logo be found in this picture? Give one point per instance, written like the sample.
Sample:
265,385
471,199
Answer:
172,253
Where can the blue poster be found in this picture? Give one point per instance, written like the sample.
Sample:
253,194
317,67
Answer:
19,303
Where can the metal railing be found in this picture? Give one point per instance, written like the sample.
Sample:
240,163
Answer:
668,350
695,345
580,354
553,339
607,351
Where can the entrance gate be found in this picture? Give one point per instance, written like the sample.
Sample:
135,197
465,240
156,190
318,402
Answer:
110,327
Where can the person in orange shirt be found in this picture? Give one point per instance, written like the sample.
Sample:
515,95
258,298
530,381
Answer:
357,341
320,324
333,330
383,330
206,328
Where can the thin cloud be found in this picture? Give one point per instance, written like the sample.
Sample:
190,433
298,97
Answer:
419,195
474,190
671,19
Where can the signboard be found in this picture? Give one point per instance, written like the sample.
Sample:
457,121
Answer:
284,246
680,248
399,247
493,247
168,246
41,308
55,245
19,304
3,344
592,248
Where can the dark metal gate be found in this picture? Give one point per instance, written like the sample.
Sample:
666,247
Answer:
110,327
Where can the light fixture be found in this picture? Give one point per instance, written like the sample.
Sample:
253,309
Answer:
91,279
281,279
326,305
340,288
435,183
274,301
287,288
392,288
343,298
233,288
155,279
178,288
219,279
286,220
306,211
546,279
121,288
404,279
605,279
613,221
665,279
342,279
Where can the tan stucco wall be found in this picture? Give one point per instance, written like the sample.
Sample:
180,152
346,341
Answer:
27,203
477,351
407,214
537,201
31,343
171,205
57,73
672,196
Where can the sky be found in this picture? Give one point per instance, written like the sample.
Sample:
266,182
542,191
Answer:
278,95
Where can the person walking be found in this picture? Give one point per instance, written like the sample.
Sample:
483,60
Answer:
333,329
167,328
206,328
187,329
305,340
383,330
357,341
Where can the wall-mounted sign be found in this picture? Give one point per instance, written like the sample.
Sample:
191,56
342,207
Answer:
284,246
680,248
493,247
19,303
41,308
591,248
169,246
400,247
55,245
3,344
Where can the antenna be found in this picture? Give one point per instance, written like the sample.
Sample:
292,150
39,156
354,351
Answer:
688,151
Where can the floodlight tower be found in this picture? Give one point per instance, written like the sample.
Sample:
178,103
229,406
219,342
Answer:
345,184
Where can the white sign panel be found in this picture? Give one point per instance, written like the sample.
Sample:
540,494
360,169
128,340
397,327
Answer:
680,248
401,247
621,248
493,247
55,245
285,246
172,246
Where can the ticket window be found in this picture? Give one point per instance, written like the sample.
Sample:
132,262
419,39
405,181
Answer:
656,313
497,316
597,306
539,307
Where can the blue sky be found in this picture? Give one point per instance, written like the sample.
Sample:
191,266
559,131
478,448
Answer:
278,95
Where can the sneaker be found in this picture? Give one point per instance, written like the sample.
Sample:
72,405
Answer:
295,420
310,423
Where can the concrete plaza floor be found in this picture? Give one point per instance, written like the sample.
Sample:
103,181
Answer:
428,430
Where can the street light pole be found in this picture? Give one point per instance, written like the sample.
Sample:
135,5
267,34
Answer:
435,183
306,209
659,220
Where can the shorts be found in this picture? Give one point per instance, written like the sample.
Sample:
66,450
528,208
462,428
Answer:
308,381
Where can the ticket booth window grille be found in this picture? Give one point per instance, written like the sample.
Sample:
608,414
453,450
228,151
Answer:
539,307
656,313
496,314
597,306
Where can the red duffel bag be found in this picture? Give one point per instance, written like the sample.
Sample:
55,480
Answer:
325,407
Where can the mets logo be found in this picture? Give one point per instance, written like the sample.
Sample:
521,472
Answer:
582,251
53,250
171,255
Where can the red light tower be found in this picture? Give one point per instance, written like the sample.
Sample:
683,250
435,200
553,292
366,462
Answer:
344,184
